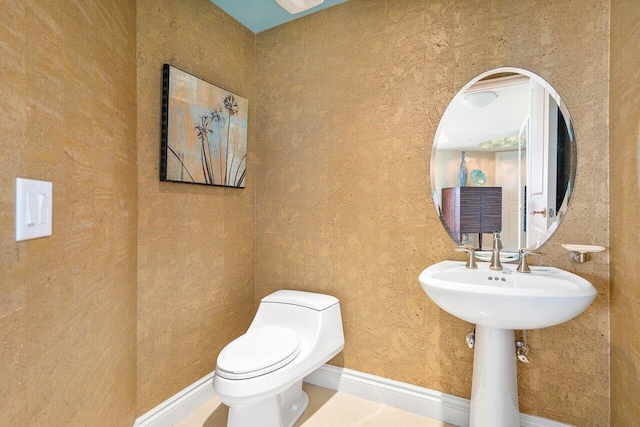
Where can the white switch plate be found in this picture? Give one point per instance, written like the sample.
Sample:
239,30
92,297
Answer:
34,203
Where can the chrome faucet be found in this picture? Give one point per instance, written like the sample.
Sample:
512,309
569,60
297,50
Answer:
495,255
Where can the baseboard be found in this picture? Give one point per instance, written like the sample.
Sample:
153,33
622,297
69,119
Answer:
179,405
418,400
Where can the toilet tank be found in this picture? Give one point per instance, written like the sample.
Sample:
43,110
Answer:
309,300
316,317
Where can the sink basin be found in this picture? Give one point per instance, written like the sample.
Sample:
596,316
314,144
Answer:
507,299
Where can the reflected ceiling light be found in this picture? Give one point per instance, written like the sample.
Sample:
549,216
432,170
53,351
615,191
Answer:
479,99
297,6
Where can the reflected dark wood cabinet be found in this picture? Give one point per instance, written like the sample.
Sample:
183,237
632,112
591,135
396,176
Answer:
472,210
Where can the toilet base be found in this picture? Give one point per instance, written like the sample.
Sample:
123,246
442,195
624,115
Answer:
281,410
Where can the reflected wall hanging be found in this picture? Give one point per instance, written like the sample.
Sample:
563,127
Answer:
204,132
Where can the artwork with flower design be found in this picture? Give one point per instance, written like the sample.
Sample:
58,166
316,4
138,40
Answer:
204,132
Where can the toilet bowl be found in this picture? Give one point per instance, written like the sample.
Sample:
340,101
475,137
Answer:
259,375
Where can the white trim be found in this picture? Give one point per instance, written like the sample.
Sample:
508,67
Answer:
179,405
411,398
418,400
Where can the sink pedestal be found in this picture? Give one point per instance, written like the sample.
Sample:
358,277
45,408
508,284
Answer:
494,392
499,302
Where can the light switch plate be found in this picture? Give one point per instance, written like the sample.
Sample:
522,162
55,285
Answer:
34,206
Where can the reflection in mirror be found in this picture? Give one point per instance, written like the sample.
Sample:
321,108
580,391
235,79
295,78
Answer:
504,159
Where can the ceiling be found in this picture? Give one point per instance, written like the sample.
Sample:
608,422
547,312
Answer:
260,15
465,128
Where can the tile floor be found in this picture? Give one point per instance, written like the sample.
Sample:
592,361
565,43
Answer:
327,408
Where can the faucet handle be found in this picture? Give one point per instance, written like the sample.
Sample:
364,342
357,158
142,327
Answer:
471,251
523,267
528,251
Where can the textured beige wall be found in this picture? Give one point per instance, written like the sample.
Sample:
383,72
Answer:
348,102
68,302
624,114
196,243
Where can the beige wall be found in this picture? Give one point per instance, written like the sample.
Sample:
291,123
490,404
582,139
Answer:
196,243
348,102
67,304
624,115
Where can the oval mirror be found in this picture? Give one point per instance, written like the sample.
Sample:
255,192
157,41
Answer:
504,160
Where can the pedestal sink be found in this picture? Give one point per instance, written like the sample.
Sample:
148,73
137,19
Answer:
499,302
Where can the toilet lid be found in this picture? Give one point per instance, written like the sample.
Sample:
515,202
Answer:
258,352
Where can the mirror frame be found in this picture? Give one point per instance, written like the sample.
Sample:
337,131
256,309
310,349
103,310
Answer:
507,256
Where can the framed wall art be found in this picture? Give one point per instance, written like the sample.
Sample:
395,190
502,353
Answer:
204,132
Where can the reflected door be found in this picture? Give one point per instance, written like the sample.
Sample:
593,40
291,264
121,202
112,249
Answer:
541,164
508,177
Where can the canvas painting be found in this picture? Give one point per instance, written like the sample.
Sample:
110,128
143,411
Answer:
204,132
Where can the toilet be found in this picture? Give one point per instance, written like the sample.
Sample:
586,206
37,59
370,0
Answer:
259,375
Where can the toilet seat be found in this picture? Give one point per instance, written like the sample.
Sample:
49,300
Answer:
258,352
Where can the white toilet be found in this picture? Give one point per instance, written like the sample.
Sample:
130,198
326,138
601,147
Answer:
259,375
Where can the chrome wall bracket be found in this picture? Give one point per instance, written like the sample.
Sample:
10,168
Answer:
578,253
